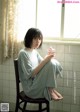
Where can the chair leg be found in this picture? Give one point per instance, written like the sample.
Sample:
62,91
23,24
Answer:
24,106
48,109
17,105
40,107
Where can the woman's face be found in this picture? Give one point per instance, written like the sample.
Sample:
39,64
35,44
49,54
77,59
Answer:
36,43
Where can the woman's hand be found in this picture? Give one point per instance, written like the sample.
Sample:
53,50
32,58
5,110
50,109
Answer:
48,57
51,51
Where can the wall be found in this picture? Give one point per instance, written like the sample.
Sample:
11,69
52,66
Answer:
69,85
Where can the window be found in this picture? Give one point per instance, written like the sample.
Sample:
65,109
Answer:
72,21
55,19
49,18
26,12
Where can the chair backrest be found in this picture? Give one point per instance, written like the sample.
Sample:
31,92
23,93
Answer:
17,76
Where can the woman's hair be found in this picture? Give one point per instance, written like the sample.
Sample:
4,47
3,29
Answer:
30,35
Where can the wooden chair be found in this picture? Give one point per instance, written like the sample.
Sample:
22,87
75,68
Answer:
22,98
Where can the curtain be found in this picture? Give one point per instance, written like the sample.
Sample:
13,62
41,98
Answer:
10,45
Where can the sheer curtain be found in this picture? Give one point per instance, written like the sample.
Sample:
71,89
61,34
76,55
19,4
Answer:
10,45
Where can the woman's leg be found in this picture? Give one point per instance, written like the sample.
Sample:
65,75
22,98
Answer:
45,79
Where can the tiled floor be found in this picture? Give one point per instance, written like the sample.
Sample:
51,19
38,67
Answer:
12,107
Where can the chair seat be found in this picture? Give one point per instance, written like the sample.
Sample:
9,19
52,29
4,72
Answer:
28,99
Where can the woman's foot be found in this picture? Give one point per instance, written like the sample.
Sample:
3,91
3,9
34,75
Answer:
55,95
58,94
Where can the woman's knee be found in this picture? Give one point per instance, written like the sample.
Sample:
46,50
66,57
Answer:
50,64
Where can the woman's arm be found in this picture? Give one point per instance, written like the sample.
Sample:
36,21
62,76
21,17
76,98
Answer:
42,63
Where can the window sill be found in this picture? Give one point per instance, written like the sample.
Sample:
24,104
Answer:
62,41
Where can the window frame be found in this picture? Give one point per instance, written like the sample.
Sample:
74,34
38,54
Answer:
61,38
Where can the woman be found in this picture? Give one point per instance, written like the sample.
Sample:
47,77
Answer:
38,75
